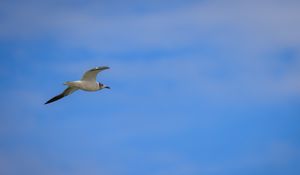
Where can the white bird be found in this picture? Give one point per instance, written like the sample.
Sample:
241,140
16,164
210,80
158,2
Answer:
87,83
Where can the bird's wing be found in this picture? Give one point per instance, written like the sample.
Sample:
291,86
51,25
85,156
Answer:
66,92
90,75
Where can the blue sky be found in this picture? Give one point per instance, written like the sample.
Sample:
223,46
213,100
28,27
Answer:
198,87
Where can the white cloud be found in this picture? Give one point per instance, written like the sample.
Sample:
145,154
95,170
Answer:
256,24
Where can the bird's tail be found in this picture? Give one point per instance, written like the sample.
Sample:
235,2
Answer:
68,83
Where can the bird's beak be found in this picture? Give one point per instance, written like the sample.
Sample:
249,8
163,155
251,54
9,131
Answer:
107,87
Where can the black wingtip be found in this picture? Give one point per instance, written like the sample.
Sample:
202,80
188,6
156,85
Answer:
48,102
55,98
103,67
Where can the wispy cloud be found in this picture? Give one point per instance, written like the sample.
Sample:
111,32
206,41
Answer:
263,22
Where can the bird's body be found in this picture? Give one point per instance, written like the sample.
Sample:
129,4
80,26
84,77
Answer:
87,83
84,85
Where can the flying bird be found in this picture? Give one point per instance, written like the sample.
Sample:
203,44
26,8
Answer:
87,83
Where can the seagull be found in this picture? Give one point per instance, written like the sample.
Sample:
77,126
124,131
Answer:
87,83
